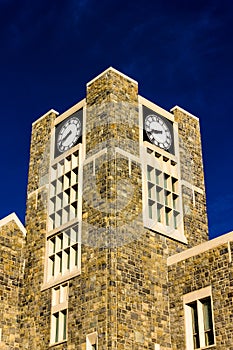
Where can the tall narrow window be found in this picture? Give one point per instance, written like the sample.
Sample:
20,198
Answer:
59,314
199,320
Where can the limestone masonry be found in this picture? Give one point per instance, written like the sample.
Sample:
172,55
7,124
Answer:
115,252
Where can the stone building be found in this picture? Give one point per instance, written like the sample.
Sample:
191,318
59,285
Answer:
115,251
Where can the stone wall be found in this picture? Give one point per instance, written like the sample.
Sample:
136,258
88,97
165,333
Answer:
192,176
35,304
136,300
214,268
12,241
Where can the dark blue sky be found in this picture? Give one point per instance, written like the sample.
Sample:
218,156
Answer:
180,52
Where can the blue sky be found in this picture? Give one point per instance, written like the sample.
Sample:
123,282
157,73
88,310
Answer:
180,52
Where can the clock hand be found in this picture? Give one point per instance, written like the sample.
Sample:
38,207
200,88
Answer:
65,137
158,131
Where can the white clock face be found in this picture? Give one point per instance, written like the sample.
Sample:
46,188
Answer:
158,131
69,134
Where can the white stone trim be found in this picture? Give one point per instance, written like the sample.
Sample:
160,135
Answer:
62,279
197,294
156,108
84,131
192,187
70,111
113,70
93,157
13,217
184,111
44,115
159,150
201,248
65,154
229,251
35,192
128,155
91,339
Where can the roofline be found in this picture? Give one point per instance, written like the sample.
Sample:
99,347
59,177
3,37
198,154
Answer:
113,70
184,111
13,217
201,248
44,115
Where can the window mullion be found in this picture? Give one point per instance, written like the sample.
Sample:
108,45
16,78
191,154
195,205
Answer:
189,328
201,323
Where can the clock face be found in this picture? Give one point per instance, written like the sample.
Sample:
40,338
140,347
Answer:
69,134
158,131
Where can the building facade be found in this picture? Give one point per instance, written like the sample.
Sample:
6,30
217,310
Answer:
115,251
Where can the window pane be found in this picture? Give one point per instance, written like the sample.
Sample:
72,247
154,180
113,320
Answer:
52,265
68,258
196,340
150,207
175,217
166,180
64,324
149,170
56,327
208,324
150,189
167,216
207,314
76,255
158,177
159,208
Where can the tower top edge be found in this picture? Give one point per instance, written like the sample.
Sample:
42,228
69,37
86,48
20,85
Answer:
13,217
44,115
111,69
184,111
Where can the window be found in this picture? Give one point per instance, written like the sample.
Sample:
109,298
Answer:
163,198
162,194
59,314
63,191
63,252
199,319
92,341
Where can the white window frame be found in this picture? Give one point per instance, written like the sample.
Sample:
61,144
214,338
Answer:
197,296
59,310
166,163
65,205
92,339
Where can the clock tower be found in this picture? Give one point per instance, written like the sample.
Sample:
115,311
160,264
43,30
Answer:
115,187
